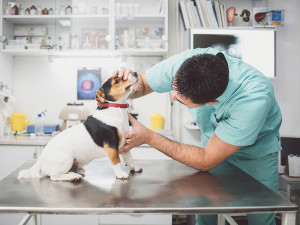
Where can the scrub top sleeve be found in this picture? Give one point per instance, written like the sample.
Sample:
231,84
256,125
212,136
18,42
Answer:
247,117
160,76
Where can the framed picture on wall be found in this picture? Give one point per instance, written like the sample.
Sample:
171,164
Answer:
88,82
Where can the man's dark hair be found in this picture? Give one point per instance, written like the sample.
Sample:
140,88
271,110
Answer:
202,78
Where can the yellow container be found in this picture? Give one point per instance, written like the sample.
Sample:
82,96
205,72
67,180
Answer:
18,122
157,122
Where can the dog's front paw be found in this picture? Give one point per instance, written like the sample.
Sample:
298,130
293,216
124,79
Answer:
122,175
136,169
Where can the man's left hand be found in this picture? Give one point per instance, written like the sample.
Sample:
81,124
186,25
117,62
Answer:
136,137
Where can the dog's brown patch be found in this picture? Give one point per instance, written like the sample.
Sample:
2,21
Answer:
120,138
118,88
100,95
113,89
112,154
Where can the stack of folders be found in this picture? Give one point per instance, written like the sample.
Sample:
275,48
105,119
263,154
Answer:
203,13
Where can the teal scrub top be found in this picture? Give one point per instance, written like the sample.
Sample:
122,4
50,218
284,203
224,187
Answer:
247,113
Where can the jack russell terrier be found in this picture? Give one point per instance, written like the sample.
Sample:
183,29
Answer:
102,132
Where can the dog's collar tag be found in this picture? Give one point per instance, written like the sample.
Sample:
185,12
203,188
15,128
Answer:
107,104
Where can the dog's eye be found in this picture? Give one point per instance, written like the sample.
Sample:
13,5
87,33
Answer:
117,81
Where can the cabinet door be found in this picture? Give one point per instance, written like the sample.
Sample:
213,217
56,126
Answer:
69,219
13,157
141,25
83,25
135,219
58,25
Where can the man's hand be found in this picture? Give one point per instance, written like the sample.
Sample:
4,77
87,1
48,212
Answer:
124,73
136,137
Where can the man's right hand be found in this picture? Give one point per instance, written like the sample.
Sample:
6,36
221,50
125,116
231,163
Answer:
122,73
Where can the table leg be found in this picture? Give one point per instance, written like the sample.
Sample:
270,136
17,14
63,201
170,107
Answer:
29,217
33,220
221,219
288,218
288,191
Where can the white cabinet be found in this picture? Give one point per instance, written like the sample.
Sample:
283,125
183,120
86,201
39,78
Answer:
11,158
98,27
69,219
135,219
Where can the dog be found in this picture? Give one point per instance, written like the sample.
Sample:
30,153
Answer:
102,132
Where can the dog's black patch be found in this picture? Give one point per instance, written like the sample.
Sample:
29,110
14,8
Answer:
106,88
102,133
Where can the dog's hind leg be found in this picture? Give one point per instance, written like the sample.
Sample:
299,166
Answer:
57,168
127,157
115,159
77,168
66,177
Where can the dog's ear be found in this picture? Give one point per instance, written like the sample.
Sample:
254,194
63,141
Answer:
100,95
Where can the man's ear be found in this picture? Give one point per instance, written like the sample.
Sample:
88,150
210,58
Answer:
212,102
222,57
100,95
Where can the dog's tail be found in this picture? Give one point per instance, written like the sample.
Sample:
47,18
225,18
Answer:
33,172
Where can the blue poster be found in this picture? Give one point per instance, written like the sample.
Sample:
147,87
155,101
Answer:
88,82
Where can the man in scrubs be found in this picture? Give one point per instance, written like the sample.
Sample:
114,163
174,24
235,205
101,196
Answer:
234,106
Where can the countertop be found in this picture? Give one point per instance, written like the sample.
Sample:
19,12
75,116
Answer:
25,140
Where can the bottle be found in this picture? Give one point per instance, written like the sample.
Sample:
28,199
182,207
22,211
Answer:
46,12
51,11
22,10
7,10
39,10
39,125
69,10
27,11
75,10
33,10
15,10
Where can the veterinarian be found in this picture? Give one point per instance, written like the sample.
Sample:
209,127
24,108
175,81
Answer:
234,106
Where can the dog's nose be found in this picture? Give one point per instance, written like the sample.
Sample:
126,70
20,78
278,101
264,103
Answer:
135,74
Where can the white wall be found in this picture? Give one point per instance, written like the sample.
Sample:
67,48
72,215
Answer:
287,81
6,68
42,84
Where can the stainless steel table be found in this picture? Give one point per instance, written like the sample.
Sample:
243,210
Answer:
164,187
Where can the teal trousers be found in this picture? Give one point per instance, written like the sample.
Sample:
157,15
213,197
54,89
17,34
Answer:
265,170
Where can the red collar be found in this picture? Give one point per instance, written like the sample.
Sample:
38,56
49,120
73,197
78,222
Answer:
116,105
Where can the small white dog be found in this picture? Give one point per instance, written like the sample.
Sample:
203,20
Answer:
102,132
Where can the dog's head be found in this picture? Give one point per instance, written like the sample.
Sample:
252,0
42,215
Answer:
115,88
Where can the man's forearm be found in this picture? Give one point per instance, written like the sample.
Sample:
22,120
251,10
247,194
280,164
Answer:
189,155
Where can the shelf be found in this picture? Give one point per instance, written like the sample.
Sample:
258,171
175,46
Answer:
45,52
150,20
50,19
146,18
